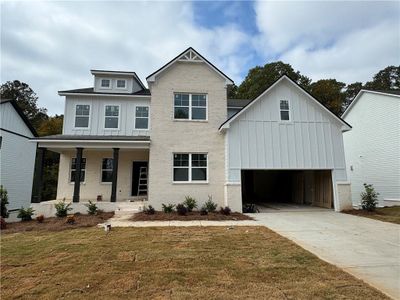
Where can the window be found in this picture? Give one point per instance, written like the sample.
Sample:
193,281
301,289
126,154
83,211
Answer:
190,167
111,117
284,109
142,117
190,106
82,114
121,83
107,170
105,83
73,169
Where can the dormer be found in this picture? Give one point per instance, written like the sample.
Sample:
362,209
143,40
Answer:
116,82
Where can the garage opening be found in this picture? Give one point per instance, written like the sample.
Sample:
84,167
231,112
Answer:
304,187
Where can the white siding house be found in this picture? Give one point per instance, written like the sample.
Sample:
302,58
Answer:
372,148
17,154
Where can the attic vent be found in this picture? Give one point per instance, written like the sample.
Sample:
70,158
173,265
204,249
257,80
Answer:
190,56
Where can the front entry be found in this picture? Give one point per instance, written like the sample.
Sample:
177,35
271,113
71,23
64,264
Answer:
139,178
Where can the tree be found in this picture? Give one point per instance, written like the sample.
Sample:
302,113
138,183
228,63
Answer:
350,93
51,126
3,202
260,78
386,79
26,99
329,92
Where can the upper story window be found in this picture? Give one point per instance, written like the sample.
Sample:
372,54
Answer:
190,167
73,169
111,117
82,115
107,170
121,84
284,110
142,117
190,106
105,83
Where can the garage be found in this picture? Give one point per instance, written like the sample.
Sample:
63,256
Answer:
269,188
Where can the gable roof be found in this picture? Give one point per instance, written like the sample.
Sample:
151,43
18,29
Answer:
384,93
189,55
90,90
226,124
21,114
237,103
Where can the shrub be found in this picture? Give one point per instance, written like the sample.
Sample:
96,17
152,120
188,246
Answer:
203,211
210,205
190,203
225,211
25,214
3,202
369,198
62,208
250,208
181,209
92,208
70,219
149,210
3,223
40,218
168,208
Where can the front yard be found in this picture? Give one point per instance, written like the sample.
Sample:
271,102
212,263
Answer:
168,263
386,214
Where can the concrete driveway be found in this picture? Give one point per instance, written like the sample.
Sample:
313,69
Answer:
368,249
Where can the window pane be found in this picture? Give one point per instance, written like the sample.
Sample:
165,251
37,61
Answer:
111,122
199,174
142,111
121,83
199,100
83,163
181,174
285,115
284,104
181,99
82,110
82,122
107,163
105,82
181,113
198,113
112,110
106,176
181,160
141,123
199,160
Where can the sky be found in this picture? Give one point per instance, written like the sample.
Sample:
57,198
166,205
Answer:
53,45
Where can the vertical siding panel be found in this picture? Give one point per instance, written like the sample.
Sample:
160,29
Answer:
261,144
269,145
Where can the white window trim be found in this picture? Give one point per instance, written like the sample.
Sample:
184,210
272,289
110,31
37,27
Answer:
148,118
190,181
288,110
70,170
90,116
119,116
190,108
104,87
101,171
121,88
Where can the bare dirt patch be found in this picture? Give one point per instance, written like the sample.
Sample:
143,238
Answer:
385,214
190,216
58,224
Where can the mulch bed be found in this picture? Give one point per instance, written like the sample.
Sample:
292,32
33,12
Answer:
57,224
191,216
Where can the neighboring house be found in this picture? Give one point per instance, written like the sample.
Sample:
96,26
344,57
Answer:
175,139
17,154
372,148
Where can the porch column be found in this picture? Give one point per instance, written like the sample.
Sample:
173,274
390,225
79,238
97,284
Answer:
114,175
77,184
38,185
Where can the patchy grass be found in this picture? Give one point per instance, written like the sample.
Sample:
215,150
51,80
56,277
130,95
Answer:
58,224
385,214
169,263
190,216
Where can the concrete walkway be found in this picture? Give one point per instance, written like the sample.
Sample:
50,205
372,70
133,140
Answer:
366,248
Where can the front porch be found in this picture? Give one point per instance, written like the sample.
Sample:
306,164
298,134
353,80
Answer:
101,168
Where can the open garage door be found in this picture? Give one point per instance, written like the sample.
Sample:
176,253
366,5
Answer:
301,187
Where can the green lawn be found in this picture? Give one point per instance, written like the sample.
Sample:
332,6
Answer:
386,214
168,263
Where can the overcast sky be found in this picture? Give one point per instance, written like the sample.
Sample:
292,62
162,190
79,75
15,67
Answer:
53,45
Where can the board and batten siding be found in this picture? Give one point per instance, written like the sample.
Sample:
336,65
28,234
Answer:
97,115
372,147
312,139
17,158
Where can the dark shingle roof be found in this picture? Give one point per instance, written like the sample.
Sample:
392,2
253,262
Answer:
144,92
238,102
95,137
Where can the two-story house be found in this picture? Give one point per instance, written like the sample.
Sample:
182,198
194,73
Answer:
182,136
